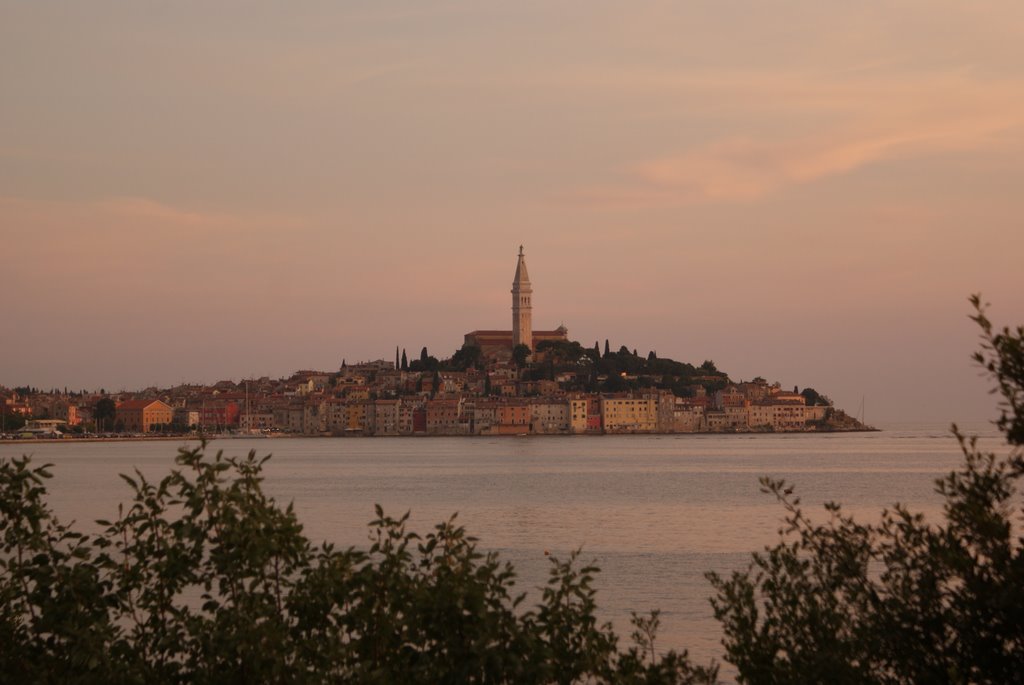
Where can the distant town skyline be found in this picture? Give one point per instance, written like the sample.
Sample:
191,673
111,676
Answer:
807,192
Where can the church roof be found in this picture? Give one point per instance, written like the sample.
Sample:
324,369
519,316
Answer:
139,404
507,335
557,331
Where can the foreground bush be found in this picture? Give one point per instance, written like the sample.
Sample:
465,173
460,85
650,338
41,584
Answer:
204,579
900,601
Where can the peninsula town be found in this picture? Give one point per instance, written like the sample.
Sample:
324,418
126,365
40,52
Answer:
499,382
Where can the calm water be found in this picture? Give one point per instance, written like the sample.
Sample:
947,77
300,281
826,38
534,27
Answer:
655,512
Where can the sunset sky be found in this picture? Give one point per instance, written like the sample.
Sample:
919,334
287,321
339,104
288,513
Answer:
804,190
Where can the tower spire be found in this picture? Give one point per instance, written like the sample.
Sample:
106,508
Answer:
522,308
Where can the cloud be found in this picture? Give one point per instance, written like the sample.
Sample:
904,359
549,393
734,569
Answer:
153,213
862,123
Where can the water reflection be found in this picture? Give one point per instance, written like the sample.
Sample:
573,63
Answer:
655,513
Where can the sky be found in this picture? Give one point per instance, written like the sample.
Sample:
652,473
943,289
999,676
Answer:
802,190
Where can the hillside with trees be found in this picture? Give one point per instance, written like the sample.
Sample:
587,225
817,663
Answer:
595,371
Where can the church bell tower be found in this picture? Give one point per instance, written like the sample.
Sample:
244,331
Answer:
522,310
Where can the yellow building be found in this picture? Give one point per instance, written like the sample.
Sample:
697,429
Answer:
355,417
139,416
629,414
578,415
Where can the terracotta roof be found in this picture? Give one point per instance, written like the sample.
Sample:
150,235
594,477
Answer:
138,404
508,334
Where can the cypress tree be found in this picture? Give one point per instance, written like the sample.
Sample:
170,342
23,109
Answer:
405,361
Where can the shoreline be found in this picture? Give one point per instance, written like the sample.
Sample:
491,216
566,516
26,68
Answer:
195,438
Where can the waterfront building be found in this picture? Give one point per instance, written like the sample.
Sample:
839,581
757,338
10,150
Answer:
406,423
218,414
594,414
288,417
44,428
549,416
485,416
736,418
314,415
139,416
578,414
385,417
629,414
443,416
356,411
513,417
419,419
189,418
250,421
687,418
336,420
716,420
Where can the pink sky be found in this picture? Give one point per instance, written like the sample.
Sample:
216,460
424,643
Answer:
806,191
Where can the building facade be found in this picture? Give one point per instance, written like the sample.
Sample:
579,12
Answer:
139,416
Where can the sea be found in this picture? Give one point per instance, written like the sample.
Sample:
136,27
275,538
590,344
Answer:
654,512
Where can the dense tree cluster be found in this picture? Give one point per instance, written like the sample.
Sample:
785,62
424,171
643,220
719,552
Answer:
623,370
595,372
11,421
105,413
813,397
